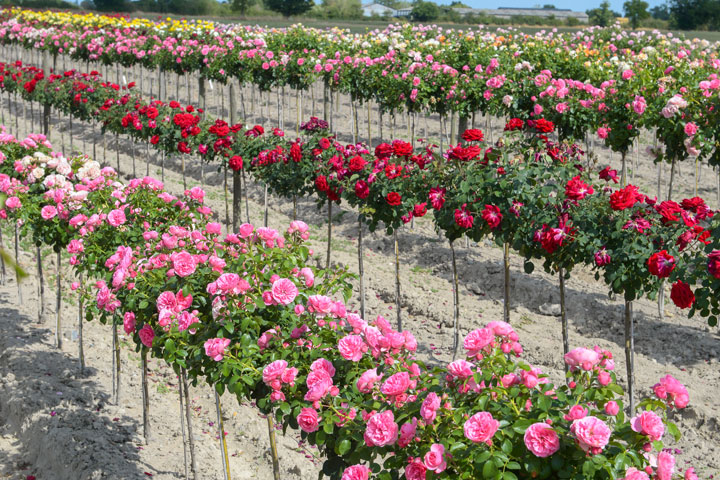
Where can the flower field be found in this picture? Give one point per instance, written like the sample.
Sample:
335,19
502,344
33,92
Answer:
255,313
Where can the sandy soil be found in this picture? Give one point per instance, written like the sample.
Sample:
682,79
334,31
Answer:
91,438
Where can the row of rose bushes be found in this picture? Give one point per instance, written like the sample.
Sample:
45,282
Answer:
607,82
246,314
532,193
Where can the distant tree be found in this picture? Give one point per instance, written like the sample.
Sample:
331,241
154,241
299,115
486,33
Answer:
457,4
347,9
602,16
636,11
389,3
423,11
695,14
288,8
660,12
549,7
241,6
111,5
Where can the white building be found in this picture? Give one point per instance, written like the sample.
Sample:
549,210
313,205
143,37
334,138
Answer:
379,10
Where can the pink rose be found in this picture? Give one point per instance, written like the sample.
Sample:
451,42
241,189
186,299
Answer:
215,348
284,291
381,430
429,408
576,413
690,474
612,408
541,440
48,212
308,420
13,202
591,433
461,369
415,470
671,389
648,423
396,384
146,334
476,340
435,459
273,371
116,217
690,129
356,472
407,433
320,305
665,466
308,275
246,230
635,474
352,347
582,358
129,322
183,263
481,427
367,380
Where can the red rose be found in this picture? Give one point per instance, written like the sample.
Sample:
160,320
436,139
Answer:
152,113
383,150
361,189
321,183
714,263
463,219
491,214
183,147
402,149
236,163
624,198
155,139
661,264
393,171
681,295
437,197
465,153
324,143
543,126
296,152
174,104
473,135
357,163
393,199
514,124
576,189
420,209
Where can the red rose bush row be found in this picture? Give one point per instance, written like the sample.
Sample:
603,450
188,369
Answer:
245,313
618,235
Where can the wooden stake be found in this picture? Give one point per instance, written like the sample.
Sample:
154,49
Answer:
273,447
223,442
81,350
563,317
329,233
456,304
116,364
361,269
58,305
41,285
188,419
506,283
145,397
630,353
397,281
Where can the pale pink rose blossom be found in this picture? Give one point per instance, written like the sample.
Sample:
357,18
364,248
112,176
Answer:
352,347
541,440
434,460
381,430
481,427
215,348
665,466
591,433
356,472
648,423
308,420
284,291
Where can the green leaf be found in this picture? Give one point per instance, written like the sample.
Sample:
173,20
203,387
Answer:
490,470
344,447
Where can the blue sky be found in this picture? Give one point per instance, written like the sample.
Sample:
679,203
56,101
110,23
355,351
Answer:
577,5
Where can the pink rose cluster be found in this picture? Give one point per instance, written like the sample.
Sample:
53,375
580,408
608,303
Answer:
215,348
300,228
672,391
495,334
319,382
597,359
277,374
173,310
